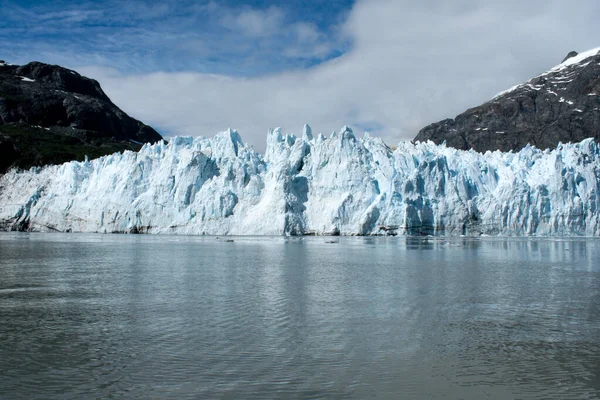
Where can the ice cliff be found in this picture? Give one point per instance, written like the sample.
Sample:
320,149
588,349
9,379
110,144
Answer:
312,185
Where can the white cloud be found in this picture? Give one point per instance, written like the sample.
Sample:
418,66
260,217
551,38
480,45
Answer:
254,22
307,32
411,64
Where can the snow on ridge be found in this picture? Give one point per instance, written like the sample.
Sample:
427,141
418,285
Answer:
578,59
575,60
312,184
511,89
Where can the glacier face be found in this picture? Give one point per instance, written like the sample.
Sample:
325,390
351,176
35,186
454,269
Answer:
312,185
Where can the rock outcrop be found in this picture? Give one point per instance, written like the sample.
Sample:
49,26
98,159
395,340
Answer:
50,114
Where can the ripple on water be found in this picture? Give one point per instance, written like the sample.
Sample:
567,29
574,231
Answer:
116,316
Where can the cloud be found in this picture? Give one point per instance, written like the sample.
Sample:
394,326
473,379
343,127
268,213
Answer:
255,23
411,64
391,66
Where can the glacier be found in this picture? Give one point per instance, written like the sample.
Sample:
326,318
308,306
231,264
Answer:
311,185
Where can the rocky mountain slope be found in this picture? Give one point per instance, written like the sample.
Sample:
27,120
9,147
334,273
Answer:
50,115
561,105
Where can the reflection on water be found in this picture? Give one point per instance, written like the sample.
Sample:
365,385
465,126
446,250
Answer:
96,316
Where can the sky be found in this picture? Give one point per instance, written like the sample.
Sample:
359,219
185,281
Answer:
389,67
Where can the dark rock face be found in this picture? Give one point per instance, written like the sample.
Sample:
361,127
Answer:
8,153
562,105
49,115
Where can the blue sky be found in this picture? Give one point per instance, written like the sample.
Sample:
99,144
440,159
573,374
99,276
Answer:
386,66
226,37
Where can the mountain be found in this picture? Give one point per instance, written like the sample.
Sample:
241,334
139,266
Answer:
312,185
561,105
50,114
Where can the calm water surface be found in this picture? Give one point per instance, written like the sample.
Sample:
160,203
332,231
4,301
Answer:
150,317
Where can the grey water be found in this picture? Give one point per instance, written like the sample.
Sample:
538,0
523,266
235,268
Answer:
169,317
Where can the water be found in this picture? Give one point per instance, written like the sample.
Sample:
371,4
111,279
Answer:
154,317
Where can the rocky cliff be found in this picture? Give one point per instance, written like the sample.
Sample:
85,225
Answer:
50,114
561,105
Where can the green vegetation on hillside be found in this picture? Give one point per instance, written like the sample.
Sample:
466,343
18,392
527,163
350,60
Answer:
37,147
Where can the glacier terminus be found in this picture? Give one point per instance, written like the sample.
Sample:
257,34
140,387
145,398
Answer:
312,184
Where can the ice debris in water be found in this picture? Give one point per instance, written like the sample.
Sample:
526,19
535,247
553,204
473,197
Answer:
312,185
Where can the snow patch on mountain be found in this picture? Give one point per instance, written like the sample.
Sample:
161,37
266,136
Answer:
575,61
311,185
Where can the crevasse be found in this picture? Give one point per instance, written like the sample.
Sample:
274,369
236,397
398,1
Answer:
312,185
